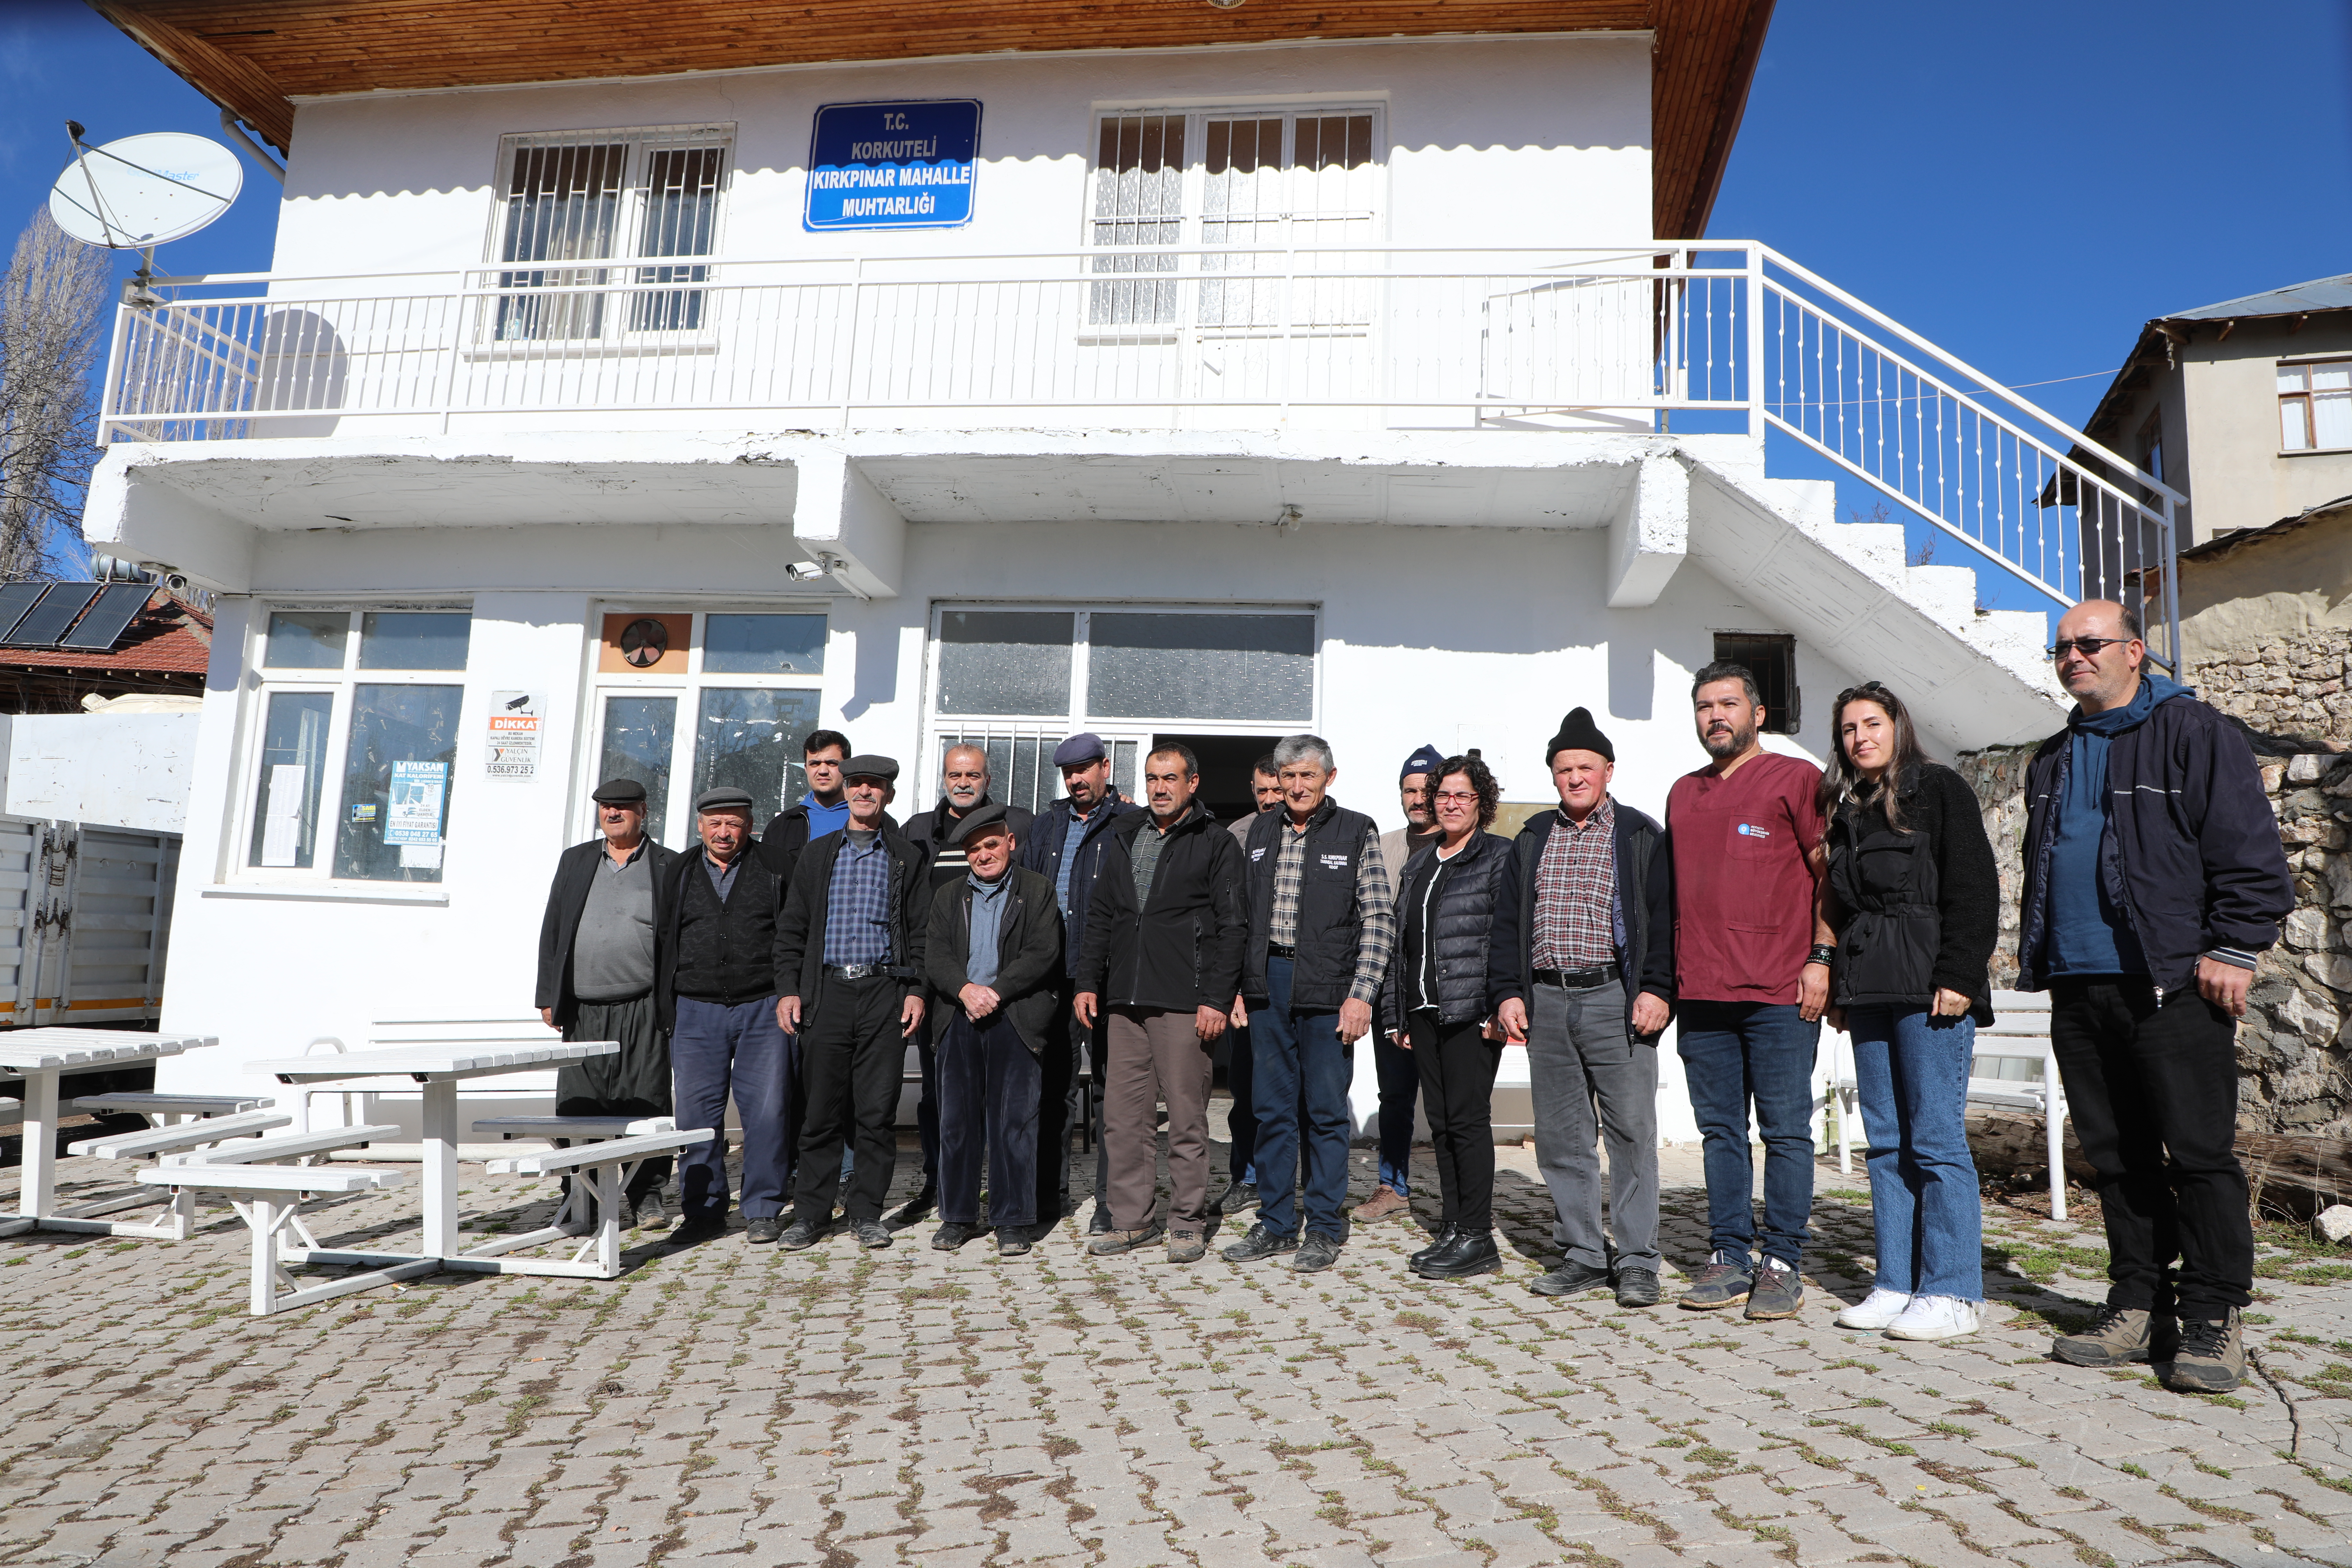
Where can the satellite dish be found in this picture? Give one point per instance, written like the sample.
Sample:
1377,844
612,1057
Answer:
144,191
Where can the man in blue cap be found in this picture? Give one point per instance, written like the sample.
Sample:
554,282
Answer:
1399,1076
1066,847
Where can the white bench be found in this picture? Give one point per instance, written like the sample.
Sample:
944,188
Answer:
179,1208
603,1168
165,1109
267,1195
2012,1067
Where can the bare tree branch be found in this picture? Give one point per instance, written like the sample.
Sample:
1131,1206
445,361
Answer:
53,309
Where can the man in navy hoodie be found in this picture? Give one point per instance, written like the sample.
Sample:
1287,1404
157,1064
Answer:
2153,881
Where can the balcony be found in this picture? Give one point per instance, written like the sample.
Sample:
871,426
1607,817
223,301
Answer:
1673,337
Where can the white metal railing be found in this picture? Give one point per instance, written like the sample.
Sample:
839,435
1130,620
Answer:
1668,335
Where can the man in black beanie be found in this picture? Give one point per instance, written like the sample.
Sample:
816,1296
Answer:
1580,970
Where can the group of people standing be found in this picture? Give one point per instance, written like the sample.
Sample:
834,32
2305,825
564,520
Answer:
791,970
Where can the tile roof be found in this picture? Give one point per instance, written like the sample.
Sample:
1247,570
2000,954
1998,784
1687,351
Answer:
170,636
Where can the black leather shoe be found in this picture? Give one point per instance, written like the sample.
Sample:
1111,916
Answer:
1570,1279
696,1231
1258,1244
1638,1287
1235,1199
1470,1252
871,1234
915,1210
1101,1224
1444,1236
759,1232
801,1234
952,1235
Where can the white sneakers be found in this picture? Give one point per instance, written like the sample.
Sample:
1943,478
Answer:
1875,1311
1935,1318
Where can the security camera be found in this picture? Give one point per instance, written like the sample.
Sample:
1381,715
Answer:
804,571
176,582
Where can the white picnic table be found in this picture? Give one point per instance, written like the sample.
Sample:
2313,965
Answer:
437,1066
41,1057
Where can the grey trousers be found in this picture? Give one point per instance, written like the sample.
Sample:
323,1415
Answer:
1579,1055
1155,1054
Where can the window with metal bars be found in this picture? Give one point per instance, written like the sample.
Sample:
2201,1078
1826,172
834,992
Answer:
602,196
1302,178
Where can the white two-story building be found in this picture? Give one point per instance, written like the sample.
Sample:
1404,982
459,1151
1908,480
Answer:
634,397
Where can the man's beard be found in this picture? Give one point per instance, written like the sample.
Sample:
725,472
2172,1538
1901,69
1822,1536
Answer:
1731,745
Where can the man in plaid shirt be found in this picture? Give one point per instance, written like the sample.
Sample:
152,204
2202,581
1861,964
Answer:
1322,924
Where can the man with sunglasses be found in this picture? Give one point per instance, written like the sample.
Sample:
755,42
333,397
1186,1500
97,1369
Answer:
2153,880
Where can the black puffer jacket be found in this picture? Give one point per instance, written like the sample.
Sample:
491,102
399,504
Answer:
1182,948
1461,922
1917,909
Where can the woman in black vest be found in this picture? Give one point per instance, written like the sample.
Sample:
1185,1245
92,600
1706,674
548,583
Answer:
1434,1004
1915,899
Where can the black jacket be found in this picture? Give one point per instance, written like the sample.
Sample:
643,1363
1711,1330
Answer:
787,835
740,936
1028,953
575,873
1461,923
800,930
1041,853
1331,921
1646,906
1183,948
2190,851
1918,909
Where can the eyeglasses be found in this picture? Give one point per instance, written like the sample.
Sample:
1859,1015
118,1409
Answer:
1457,797
2087,646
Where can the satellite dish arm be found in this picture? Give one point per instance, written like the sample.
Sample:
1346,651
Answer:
97,207
236,133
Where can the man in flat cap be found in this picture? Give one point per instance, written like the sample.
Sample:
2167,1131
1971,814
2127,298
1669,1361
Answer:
963,790
720,992
1580,971
994,952
1066,847
598,957
849,959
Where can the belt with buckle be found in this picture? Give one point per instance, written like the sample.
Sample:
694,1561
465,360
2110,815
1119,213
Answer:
853,970
1281,950
1577,979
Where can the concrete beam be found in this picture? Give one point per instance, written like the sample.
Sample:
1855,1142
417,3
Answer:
1650,534
138,518
848,526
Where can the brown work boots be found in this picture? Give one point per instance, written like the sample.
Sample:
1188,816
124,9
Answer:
2203,1357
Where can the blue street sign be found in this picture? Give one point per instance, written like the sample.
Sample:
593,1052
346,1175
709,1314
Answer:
893,165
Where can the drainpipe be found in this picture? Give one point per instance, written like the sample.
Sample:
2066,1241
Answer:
237,134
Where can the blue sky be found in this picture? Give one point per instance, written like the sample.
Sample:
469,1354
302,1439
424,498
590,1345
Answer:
2022,183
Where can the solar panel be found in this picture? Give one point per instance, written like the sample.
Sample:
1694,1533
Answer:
16,598
48,620
117,607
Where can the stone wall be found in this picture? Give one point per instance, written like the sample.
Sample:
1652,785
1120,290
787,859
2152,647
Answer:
2299,685
2294,1050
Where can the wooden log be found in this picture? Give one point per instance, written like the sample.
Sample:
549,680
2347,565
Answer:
2301,1173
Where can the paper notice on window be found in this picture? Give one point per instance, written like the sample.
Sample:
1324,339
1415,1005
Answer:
516,717
281,821
425,856
419,790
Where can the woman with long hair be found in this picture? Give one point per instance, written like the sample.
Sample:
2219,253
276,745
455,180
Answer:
1434,1004
1915,900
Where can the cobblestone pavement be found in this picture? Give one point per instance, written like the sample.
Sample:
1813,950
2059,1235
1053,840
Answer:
839,1408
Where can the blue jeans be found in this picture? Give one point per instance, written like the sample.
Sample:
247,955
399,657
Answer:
1734,1052
1241,1121
715,1049
1912,1072
1399,1076
1300,1087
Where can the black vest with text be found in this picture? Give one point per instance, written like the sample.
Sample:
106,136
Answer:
1330,923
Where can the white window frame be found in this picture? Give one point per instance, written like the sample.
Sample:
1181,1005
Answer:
614,335
342,685
1193,199
687,688
940,729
